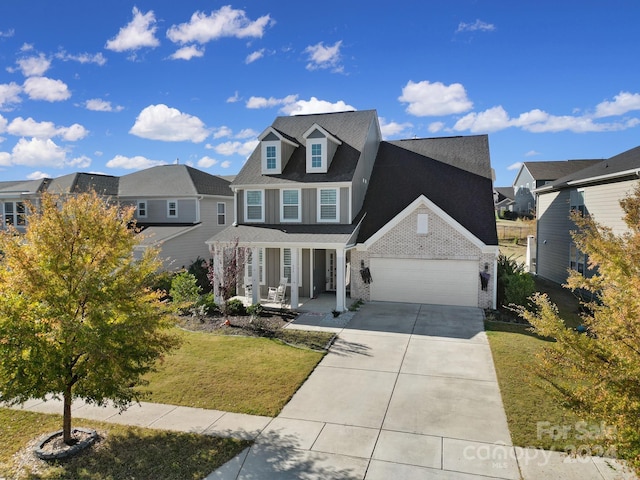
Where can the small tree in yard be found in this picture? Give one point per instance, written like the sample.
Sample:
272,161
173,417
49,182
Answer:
225,278
598,373
76,317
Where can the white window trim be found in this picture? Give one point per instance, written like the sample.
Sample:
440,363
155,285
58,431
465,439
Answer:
224,213
261,269
278,167
246,206
168,209
423,224
319,209
14,214
146,209
299,263
299,217
323,145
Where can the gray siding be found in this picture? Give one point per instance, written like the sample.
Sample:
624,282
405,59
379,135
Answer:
603,203
554,239
524,201
363,171
309,205
157,210
272,206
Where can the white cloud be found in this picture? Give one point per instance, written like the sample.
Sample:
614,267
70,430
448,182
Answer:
3,125
43,88
321,57
234,98
138,33
225,164
226,22
221,132
37,175
160,122
514,166
246,133
252,57
313,105
187,53
622,103
133,163
476,26
5,159
42,130
9,94
490,120
435,99
390,129
7,33
262,102
239,148
206,162
80,162
34,66
99,105
97,58
435,127
531,153
26,47
38,152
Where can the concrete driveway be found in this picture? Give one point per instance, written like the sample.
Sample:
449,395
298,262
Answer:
407,391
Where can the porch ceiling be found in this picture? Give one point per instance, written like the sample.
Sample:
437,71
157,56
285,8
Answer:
314,236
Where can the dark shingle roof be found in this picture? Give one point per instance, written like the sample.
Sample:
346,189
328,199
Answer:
400,176
84,182
172,180
505,192
469,153
618,165
350,127
25,187
552,170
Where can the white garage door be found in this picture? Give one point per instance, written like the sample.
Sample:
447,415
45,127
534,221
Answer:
441,282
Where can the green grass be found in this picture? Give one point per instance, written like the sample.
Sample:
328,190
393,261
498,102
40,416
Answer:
250,375
122,453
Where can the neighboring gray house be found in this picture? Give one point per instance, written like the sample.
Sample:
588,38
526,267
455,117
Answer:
503,199
323,201
177,208
13,200
533,175
596,190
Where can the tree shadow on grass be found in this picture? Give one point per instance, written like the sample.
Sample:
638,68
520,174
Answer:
143,454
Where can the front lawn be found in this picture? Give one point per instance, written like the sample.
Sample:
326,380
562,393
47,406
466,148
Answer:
122,453
250,375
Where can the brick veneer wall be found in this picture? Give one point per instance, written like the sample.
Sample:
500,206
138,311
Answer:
442,242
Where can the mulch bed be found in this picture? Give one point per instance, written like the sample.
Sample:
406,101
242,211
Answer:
269,321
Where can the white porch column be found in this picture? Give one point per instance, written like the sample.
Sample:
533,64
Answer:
295,252
341,291
531,253
217,273
255,275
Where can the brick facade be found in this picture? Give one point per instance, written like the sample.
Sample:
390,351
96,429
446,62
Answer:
442,242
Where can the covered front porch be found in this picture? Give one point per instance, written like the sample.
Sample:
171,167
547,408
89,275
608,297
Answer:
323,303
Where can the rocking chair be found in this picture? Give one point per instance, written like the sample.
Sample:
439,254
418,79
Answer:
277,294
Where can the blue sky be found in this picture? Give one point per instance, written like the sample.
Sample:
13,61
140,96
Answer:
116,86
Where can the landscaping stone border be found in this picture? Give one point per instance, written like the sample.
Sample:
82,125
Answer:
70,449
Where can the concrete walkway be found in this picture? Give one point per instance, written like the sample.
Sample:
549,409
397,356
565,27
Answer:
406,391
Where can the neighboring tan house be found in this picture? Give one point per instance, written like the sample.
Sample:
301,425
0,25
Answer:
534,175
595,190
177,209
311,207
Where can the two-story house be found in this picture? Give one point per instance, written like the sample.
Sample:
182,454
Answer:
311,207
595,190
533,175
14,197
177,209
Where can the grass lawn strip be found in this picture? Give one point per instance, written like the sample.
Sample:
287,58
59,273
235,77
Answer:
122,453
238,374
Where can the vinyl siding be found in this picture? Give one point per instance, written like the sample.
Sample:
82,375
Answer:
603,203
157,210
554,238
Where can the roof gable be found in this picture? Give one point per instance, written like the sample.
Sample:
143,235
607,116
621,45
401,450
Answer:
552,170
172,181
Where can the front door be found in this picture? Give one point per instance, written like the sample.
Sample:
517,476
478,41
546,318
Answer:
331,270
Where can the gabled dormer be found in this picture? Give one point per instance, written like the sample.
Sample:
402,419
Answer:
275,151
321,146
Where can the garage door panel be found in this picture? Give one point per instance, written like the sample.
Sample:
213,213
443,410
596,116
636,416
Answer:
445,282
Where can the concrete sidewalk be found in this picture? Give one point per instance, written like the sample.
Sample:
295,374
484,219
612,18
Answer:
406,391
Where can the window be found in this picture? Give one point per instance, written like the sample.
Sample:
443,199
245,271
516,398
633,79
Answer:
286,264
316,155
328,209
289,205
15,214
577,259
222,213
423,224
577,201
248,266
271,157
172,208
142,209
254,206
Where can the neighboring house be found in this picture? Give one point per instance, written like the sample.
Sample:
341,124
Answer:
177,209
14,197
534,175
311,207
596,190
503,200
106,185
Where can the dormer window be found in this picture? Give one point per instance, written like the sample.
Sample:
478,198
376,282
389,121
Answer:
275,151
321,146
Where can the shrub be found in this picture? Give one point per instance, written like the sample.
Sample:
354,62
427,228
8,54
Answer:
206,303
255,310
185,292
514,284
161,282
200,269
235,307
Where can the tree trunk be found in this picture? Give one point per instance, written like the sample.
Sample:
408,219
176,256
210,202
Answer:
66,421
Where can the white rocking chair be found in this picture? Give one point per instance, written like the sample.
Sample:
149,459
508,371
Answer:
277,294
248,289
